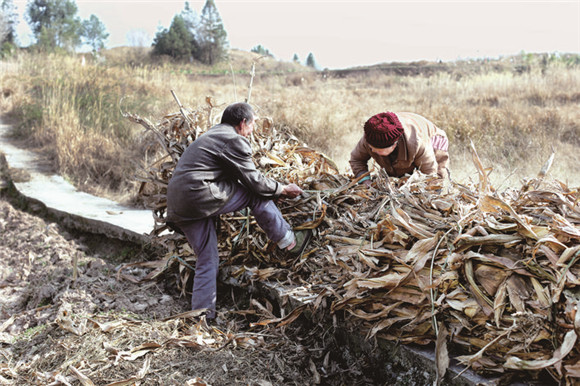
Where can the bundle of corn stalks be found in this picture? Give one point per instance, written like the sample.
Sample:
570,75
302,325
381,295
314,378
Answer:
412,260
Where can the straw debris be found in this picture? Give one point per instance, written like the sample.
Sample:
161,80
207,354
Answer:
494,275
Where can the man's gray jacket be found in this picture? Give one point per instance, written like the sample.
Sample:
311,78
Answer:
208,172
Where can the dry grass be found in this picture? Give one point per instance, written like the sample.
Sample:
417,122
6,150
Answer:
514,118
514,121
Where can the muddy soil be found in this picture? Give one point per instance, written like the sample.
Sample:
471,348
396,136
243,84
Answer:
66,317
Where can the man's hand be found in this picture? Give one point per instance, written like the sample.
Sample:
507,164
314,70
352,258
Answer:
291,191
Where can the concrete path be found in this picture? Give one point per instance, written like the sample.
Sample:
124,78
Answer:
59,195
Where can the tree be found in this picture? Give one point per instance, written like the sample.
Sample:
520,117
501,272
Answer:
310,62
259,49
94,33
54,24
4,27
138,37
177,41
8,23
213,38
190,36
192,20
296,59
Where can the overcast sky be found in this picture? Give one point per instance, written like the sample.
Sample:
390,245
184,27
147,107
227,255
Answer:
347,33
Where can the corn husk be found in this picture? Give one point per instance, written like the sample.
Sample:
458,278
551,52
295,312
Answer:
492,275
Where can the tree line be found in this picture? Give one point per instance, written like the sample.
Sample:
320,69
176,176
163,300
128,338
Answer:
192,36
56,26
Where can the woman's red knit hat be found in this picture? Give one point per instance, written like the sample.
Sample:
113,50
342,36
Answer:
383,130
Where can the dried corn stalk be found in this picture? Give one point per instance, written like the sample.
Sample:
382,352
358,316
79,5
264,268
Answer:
498,271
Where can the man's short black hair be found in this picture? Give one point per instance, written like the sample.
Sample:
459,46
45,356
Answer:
235,113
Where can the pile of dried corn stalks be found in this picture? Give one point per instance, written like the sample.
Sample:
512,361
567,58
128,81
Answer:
495,274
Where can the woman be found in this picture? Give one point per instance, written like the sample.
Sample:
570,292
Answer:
401,143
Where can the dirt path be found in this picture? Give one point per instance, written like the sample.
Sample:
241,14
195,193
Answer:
61,325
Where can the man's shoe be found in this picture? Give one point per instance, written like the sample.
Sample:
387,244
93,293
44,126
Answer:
302,240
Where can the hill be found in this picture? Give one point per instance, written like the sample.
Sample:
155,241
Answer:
238,61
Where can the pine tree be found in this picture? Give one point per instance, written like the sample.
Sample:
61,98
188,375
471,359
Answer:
192,20
261,50
213,37
310,62
296,59
94,33
177,41
55,24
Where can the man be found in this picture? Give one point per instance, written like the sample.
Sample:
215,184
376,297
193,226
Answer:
401,143
216,175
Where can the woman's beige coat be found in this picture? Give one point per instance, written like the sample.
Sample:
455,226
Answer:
423,146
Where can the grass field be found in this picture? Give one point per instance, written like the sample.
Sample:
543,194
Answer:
515,110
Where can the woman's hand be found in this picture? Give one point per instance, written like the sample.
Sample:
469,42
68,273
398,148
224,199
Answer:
366,181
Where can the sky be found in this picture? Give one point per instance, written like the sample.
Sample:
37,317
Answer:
349,33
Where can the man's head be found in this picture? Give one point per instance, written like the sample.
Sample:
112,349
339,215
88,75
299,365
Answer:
241,116
383,130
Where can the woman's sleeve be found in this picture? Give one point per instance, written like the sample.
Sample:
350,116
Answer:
359,158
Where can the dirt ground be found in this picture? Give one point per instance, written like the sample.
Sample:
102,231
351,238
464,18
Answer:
66,318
